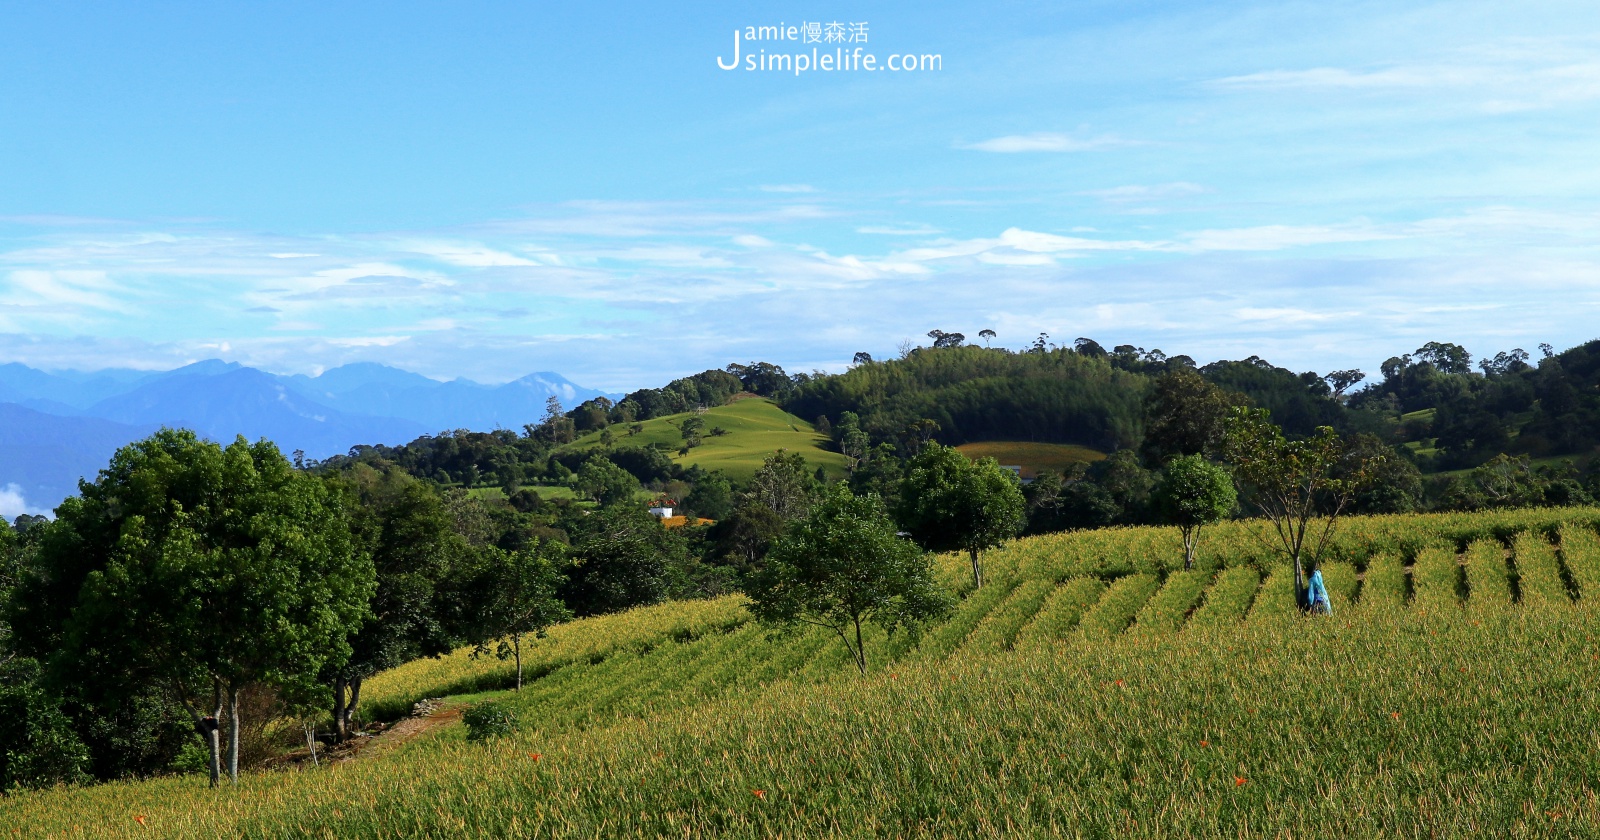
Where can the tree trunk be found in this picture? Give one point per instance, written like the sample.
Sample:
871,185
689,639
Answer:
233,733
340,733
214,736
516,645
861,653
311,741
1299,583
350,707
977,571
1190,538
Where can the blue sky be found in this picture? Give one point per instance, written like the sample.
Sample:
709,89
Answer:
485,190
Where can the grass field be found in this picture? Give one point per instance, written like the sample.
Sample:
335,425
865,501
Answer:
1032,457
756,428
545,491
1091,688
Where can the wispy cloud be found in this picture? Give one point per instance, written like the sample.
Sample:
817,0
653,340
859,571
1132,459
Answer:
1511,76
1049,142
787,188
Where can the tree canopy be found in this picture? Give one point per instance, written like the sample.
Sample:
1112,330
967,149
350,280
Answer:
843,565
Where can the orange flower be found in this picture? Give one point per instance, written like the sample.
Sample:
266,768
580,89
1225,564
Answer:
1238,781
760,794
139,818
536,756
1119,683
1204,744
1395,715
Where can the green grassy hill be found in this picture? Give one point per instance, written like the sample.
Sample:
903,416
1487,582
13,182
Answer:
755,428
1090,688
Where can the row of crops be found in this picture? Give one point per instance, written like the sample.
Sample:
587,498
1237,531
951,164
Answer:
638,663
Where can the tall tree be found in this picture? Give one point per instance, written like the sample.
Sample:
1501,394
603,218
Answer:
1185,415
843,566
950,503
198,569
1194,493
516,597
1300,486
784,485
403,524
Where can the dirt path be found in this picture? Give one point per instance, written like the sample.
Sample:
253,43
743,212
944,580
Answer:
398,735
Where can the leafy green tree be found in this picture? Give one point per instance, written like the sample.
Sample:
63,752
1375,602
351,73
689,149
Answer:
1194,493
950,503
621,556
516,597
605,482
1300,486
199,570
404,526
712,496
1185,415
691,429
783,485
842,566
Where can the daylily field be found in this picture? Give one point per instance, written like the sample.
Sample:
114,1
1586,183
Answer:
1090,689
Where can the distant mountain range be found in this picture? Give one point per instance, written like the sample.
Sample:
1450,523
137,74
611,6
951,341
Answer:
57,426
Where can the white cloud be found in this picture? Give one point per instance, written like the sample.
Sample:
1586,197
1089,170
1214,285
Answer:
1133,193
13,504
1512,76
1048,142
1285,315
907,230
465,254
1279,237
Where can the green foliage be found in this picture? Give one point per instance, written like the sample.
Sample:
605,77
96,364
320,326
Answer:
673,715
604,482
974,393
1300,486
783,485
1185,415
403,525
949,503
38,744
620,559
712,496
843,566
194,569
489,720
514,595
1194,493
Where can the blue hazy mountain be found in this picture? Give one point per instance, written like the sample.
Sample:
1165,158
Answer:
58,425
439,406
44,455
245,401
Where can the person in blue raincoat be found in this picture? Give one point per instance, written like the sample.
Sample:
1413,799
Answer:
1316,596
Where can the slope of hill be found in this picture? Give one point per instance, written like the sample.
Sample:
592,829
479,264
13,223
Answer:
44,455
1090,688
755,428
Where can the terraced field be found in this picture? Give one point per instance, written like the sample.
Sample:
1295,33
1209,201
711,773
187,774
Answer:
1091,687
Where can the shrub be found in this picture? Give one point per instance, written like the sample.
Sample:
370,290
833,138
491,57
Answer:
489,720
